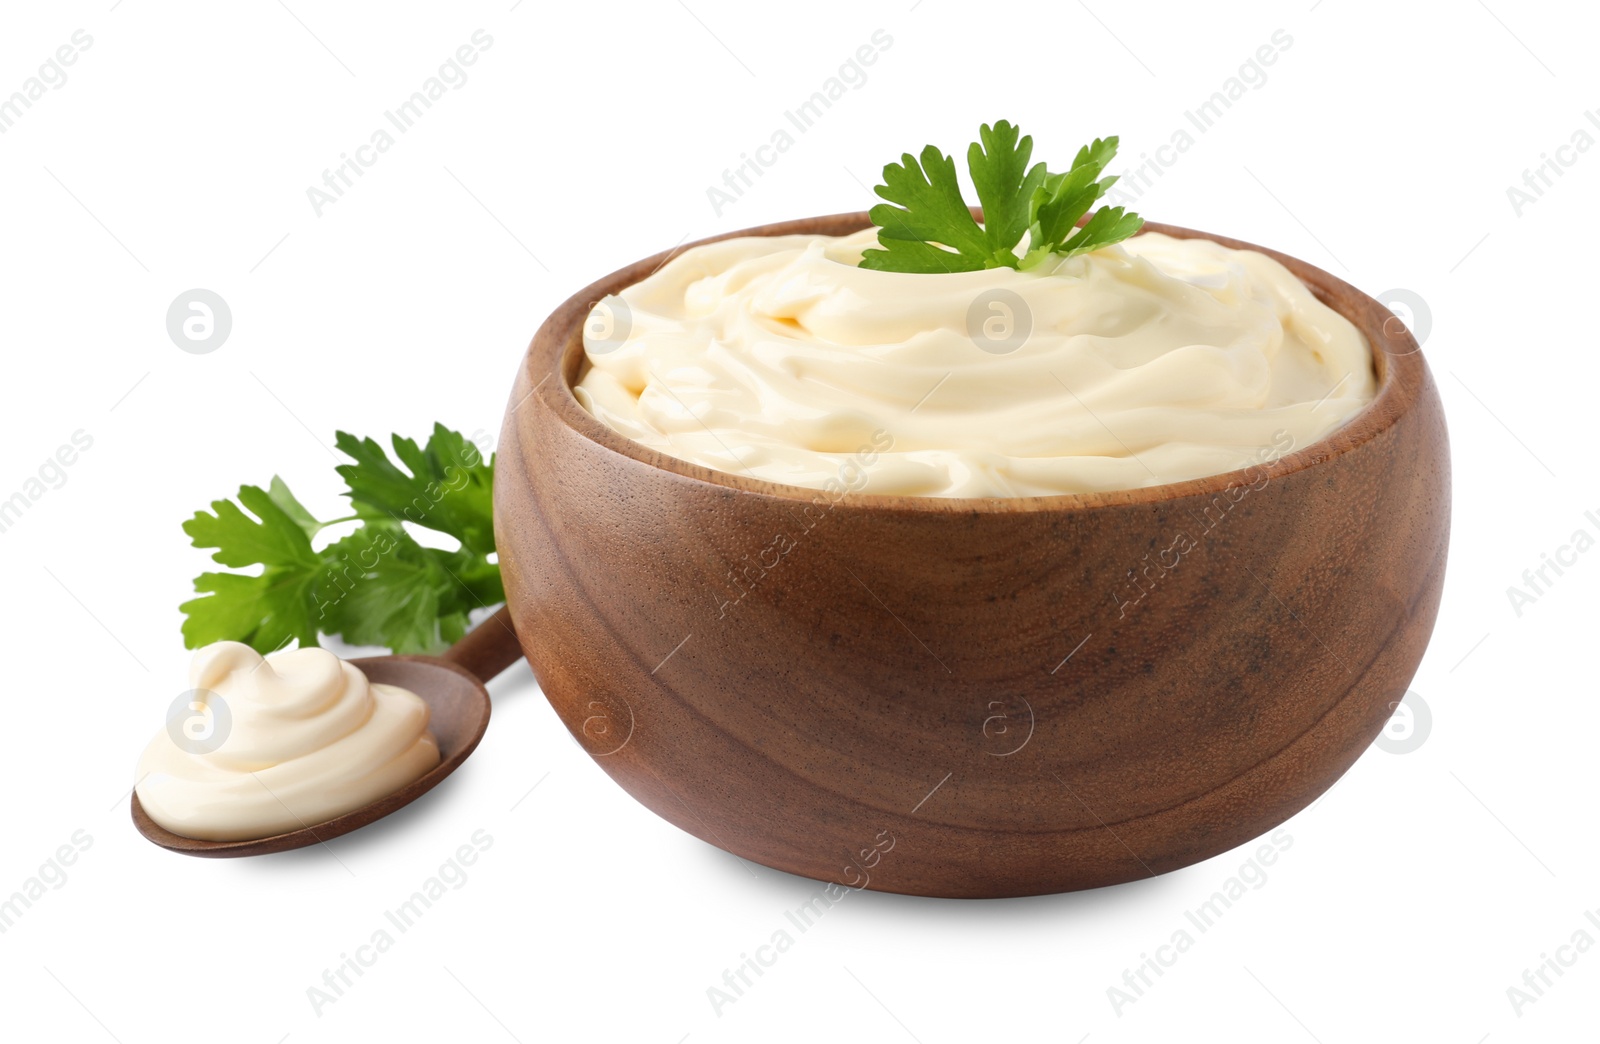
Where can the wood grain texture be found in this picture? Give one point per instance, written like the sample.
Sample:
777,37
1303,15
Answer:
903,670
458,706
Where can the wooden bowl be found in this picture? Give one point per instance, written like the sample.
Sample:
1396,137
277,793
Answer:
967,697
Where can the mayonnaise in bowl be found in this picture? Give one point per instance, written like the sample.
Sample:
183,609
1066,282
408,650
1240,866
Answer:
1152,361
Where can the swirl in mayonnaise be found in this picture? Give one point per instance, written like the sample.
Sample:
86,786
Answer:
1152,361
285,741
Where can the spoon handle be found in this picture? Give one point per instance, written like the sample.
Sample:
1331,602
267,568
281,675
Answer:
488,648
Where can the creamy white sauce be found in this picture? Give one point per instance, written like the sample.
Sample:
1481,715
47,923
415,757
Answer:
273,744
1149,362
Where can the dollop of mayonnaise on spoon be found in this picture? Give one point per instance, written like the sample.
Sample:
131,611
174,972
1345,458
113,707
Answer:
263,745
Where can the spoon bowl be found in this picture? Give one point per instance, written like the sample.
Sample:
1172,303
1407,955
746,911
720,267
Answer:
453,687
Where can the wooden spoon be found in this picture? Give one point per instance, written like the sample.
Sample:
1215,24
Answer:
453,687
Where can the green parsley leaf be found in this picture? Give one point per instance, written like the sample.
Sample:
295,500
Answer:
1006,186
930,212
1067,197
268,610
932,230
448,489
375,586
383,588
276,540
279,492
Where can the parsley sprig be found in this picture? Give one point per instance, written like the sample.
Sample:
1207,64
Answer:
375,586
927,227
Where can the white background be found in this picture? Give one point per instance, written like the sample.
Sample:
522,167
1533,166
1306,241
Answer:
177,155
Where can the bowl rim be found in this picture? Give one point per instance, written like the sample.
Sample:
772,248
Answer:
1401,372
